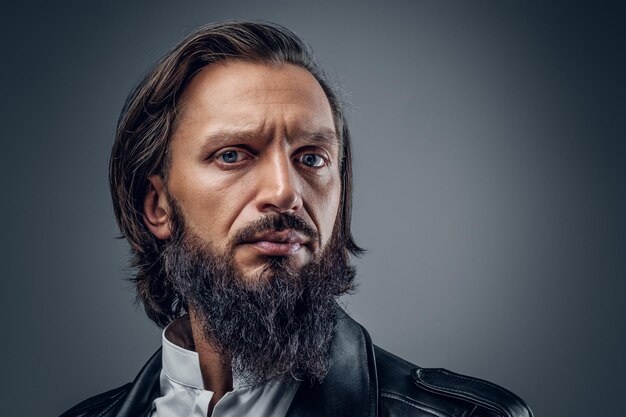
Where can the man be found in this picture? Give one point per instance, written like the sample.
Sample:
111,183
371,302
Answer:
231,180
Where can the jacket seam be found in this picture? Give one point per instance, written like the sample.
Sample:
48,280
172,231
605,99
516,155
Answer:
468,396
368,344
110,406
369,386
407,401
470,379
90,405
471,396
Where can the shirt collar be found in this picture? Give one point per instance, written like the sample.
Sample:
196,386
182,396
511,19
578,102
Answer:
180,362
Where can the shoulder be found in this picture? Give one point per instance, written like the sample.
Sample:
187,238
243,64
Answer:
99,404
406,389
134,398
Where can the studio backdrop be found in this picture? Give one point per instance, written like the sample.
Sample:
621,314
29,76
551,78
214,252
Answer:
489,188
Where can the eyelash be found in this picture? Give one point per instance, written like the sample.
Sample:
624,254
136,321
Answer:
322,157
239,152
217,157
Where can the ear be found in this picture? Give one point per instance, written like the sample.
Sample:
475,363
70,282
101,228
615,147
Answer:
156,209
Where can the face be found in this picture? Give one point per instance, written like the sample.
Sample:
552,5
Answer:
254,141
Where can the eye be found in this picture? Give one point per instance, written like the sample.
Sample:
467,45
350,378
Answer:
231,156
312,160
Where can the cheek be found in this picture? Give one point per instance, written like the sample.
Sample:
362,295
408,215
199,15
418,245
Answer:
325,206
211,205
333,209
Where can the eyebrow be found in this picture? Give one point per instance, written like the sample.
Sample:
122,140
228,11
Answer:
326,136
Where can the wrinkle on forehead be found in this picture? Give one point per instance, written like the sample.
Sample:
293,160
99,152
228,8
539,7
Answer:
234,81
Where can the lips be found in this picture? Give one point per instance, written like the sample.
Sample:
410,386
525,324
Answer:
277,243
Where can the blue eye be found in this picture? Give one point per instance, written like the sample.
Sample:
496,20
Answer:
229,157
312,160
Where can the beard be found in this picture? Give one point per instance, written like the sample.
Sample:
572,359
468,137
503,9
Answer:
277,325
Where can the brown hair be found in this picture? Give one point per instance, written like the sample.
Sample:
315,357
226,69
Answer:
148,121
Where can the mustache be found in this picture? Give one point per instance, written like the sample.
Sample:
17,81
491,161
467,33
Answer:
276,222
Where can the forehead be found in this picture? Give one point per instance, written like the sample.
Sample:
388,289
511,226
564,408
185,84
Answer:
242,95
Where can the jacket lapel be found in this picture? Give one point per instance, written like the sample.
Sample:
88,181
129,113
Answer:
351,386
145,388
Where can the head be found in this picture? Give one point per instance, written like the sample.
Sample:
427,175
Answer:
233,154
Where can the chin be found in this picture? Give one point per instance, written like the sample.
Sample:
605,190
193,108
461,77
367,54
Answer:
266,266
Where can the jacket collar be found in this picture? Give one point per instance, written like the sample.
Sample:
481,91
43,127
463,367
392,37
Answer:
350,387
144,389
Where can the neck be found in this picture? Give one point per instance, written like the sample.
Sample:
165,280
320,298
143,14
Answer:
216,370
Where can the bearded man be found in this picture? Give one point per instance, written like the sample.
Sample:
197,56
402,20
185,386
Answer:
231,179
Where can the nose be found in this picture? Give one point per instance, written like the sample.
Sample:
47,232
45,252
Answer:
278,185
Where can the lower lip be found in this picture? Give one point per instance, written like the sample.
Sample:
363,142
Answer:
276,248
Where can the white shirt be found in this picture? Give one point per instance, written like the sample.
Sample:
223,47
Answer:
183,393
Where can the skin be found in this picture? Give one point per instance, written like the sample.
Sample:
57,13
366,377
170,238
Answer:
253,140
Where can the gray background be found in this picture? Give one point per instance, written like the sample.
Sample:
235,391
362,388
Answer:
490,161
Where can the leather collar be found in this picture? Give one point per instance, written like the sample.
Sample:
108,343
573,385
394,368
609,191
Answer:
350,381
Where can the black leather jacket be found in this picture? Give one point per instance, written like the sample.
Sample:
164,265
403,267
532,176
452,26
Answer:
364,380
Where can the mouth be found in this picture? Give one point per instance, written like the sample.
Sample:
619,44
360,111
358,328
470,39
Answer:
277,243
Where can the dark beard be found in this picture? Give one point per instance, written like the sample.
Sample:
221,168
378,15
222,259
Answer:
279,325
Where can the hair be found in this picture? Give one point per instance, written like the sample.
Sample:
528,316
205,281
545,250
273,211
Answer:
147,123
